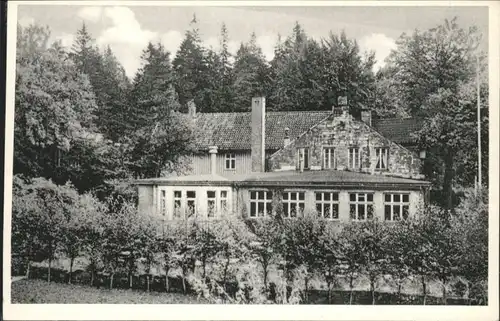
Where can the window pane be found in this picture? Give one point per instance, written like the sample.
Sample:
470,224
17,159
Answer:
301,208
253,195
352,211
286,211
223,205
370,211
326,196
406,211
269,208
335,196
370,197
301,196
293,210
396,212
406,198
387,212
223,194
253,209
269,195
260,208
387,197
177,194
327,211
233,164
318,196
191,194
261,195
293,196
335,211
361,212
397,198
285,196
319,210
211,194
352,197
361,197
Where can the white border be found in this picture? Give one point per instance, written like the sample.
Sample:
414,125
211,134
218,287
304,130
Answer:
258,312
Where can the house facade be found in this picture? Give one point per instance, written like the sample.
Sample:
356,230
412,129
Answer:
298,163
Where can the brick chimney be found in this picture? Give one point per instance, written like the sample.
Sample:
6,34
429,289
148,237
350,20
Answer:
191,108
213,159
366,116
258,124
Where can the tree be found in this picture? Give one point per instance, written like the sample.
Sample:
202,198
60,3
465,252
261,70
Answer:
54,104
433,67
160,136
190,67
251,74
330,256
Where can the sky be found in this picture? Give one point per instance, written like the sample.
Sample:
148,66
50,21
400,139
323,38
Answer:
127,30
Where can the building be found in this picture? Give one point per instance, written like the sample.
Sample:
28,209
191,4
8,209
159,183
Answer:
325,163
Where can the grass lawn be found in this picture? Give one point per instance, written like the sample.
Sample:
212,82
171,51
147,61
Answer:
38,291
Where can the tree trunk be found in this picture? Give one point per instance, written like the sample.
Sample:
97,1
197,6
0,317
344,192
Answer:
204,263
92,273
424,288
28,269
71,261
48,275
399,291
111,281
351,286
306,287
444,293
448,180
184,281
167,287
372,289
265,276
226,268
329,285
147,283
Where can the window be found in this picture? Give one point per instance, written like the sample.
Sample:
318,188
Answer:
223,201
328,158
327,205
354,159
360,206
230,161
293,204
382,157
191,203
211,203
396,206
303,157
260,203
163,202
177,204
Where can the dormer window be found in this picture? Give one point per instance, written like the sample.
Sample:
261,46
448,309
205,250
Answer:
303,158
328,158
382,154
230,161
354,158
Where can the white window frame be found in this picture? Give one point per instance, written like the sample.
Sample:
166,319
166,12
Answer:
266,202
324,203
382,155
301,156
178,208
292,199
212,209
189,199
329,161
361,200
163,202
223,201
357,160
391,203
230,161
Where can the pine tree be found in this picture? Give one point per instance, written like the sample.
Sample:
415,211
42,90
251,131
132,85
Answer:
251,72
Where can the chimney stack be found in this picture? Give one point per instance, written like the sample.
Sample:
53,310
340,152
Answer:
366,116
191,108
258,124
213,159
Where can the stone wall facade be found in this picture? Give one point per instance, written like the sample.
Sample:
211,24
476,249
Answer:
341,133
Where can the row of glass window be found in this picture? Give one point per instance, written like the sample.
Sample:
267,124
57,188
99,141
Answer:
329,158
396,205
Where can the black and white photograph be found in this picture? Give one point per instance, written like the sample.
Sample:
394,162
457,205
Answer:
328,155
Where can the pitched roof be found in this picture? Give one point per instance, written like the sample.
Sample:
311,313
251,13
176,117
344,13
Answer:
291,178
233,130
398,130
